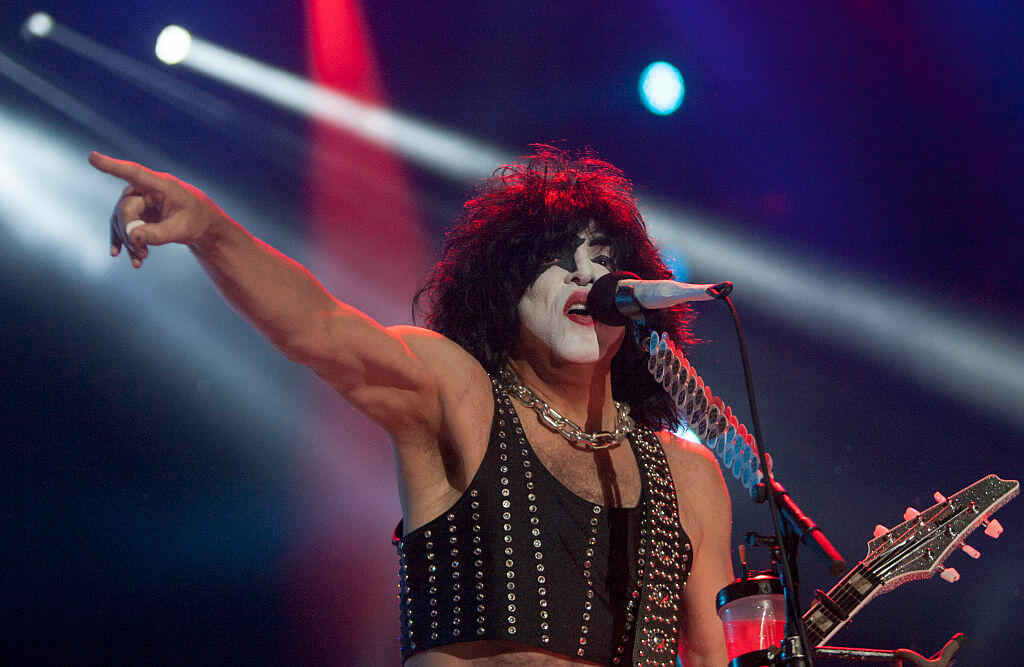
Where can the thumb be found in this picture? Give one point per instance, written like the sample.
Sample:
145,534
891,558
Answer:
144,233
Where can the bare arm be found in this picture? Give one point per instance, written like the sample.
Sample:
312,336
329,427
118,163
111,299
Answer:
706,514
373,367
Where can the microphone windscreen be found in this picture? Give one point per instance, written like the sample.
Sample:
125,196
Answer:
601,299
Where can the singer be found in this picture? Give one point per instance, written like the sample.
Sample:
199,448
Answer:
548,516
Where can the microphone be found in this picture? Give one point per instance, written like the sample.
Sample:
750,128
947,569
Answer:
617,297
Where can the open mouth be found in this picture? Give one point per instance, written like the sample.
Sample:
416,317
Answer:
576,309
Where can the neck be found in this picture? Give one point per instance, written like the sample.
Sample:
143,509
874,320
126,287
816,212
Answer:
580,392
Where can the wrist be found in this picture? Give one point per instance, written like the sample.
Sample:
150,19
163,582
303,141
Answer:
219,229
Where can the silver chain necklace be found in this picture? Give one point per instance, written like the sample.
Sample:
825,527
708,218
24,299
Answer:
567,428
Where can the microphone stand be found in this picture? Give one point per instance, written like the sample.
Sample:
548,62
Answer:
794,646
795,650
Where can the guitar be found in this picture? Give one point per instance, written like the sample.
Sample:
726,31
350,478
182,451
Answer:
915,549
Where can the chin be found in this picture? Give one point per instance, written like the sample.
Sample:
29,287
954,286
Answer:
587,353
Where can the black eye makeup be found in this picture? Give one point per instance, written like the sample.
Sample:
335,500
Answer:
566,257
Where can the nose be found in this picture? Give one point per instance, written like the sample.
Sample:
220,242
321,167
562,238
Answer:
585,270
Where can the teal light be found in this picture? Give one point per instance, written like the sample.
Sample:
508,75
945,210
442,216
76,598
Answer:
661,88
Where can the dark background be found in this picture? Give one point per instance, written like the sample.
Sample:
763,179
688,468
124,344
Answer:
176,490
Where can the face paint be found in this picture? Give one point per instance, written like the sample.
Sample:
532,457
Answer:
566,257
553,311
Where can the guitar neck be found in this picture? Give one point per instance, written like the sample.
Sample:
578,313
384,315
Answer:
853,591
915,549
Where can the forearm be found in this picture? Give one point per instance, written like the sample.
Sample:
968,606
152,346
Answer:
277,295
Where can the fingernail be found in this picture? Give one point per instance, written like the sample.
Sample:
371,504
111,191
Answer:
133,225
114,251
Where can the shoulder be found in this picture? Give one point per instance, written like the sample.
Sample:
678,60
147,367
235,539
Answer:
447,361
432,349
692,460
424,338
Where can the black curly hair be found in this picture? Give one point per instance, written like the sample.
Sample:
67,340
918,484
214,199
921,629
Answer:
522,215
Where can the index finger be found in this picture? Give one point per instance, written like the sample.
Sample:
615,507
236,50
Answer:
130,172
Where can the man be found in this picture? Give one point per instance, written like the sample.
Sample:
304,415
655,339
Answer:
544,520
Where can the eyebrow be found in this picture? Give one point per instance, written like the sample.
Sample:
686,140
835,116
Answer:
600,240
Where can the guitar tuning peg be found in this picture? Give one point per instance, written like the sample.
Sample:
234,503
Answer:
880,530
993,528
939,498
971,551
910,514
949,574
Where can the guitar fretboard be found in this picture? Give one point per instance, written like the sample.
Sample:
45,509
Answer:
852,591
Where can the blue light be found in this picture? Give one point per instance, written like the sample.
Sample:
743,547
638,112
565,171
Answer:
661,88
678,264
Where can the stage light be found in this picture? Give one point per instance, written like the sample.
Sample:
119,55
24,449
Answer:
661,88
173,44
53,210
39,25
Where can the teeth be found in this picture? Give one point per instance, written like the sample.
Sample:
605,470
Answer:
579,310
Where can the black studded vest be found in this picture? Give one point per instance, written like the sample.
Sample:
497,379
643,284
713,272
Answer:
521,558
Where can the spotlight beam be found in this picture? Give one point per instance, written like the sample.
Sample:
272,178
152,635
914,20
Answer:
432,147
54,204
159,83
74,109
281,143
980,363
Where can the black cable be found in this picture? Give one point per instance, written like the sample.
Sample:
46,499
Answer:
792,603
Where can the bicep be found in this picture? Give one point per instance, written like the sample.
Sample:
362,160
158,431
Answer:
390,374
702,640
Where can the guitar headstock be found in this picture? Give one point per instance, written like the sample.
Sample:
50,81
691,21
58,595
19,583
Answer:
917,548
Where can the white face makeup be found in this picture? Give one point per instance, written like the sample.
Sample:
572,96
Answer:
553,309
